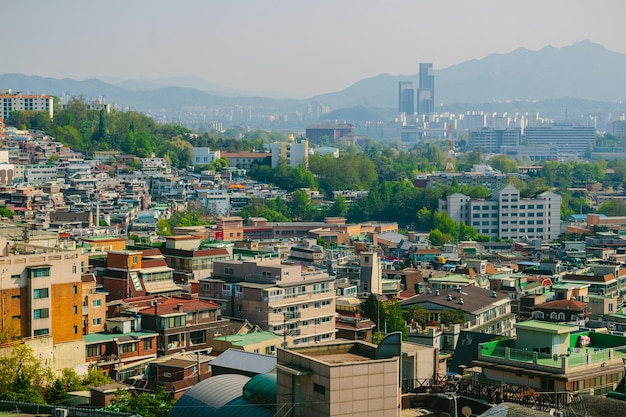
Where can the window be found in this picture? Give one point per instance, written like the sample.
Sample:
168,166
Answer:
40,293
317,304
75,309
74,289
16,276
41,332
93,350
320,389
40,313
96,321
73,269
96,303
75,329
128,347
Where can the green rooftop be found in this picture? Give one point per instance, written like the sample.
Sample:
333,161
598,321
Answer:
545,327
108,337
249,339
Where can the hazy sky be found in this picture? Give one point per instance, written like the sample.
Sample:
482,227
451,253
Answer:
296,47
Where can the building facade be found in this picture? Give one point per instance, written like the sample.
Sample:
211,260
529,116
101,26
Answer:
406,97
281,298
506,215
426,90
10,102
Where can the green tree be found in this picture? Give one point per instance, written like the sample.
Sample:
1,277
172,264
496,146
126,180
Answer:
452,317
300,205
339,207
504,164
57,394
144,404
424,219
164,228
417,314
613,208
22,376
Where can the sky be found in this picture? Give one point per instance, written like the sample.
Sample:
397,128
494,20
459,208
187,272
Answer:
290,48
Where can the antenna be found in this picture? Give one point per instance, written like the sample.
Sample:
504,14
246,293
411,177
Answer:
450,162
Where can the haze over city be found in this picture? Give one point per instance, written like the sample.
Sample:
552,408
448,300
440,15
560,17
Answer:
286,48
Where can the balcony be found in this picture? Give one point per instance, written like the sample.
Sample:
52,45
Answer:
558,364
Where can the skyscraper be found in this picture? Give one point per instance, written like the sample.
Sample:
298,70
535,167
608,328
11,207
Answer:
426,90
406,97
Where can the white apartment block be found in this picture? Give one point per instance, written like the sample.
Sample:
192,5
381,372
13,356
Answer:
204,156
293,152
281,298
506,215
19,102
40,174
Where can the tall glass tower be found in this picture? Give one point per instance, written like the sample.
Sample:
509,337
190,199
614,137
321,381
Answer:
426,90
406,97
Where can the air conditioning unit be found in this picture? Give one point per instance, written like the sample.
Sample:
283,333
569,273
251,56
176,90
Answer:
60,412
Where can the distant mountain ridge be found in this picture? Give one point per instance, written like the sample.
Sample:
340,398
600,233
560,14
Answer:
584,70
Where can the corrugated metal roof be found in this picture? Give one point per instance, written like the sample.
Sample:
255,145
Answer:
245,361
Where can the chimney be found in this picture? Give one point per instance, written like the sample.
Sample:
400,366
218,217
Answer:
180,307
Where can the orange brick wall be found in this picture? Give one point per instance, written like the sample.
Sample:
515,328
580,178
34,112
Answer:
11,328
62,312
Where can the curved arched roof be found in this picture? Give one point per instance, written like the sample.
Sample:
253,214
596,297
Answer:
218,396
261,389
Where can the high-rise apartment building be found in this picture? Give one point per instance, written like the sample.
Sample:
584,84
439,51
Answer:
426,90
10,102
406,97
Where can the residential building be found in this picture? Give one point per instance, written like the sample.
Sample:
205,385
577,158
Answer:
426,90
406,97
40,174
484,310
245,159
506,215
556,358
124,343
10,102
41,294
256,342
348,378
294,152
134,273
286,299
204,156
182,324
176,373
190,263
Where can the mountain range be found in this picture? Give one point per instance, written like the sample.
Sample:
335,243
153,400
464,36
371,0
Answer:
584,71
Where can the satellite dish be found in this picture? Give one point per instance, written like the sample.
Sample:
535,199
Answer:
466,411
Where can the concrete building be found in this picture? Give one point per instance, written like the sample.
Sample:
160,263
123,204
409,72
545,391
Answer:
573,140
490,140
294,152
42,301
506,215
204,156
556,358
349,378
10,102
328,133
39,174
282,298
